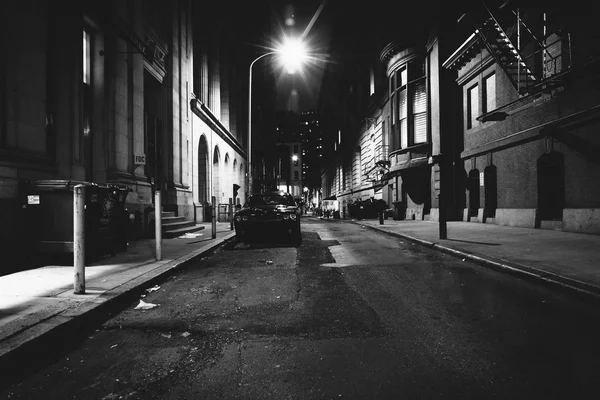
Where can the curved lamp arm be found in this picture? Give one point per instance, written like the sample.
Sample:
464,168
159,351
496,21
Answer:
250,178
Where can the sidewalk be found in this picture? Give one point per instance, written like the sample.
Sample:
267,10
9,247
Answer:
37,302
568,259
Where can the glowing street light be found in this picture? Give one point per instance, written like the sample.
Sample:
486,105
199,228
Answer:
292,54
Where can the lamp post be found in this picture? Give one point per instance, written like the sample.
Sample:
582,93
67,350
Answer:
293,53
250,178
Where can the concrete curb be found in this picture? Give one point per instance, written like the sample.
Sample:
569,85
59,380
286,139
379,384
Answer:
22,346
501,265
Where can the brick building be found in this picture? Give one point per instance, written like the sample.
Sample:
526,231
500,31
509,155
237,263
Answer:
529,82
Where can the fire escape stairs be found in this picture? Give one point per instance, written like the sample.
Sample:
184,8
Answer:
507,56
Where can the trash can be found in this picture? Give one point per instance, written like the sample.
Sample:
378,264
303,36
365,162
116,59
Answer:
208,211
114,219
399,210
48,216
223,215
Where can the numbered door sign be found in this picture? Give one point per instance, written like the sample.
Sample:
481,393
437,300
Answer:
33,199
140,159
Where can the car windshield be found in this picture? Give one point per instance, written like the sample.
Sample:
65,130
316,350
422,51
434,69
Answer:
270,199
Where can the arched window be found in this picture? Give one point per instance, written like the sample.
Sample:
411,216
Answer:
216,181
203,170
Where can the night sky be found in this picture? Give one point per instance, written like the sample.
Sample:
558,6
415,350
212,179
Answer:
338,18
322,20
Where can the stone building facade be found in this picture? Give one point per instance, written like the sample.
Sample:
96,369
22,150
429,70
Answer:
110,93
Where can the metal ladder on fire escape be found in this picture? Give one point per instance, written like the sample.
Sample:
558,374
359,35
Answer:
506,54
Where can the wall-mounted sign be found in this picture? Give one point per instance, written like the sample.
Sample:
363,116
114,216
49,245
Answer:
140,159
481,182
33,199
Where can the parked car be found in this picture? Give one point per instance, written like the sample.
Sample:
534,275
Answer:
267,213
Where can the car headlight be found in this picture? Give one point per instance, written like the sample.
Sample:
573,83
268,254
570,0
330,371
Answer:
285,216
238,218
293,217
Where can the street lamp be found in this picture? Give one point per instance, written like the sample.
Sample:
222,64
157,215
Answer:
292,53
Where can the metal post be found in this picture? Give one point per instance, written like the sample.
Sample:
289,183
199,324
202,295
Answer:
214,217
443,226
250,178
231,213
79,238
250,131
442,208
158,225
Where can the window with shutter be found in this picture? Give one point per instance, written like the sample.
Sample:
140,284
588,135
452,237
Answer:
420,112
402,117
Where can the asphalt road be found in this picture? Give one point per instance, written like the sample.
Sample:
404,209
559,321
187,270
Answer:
349,313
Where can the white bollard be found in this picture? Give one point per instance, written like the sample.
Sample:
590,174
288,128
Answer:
79,238
158,225
230,214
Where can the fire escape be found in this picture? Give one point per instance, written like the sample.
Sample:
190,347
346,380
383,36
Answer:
534,58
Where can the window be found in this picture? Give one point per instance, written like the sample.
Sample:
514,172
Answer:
409,105
420,112
295,174
489,85
472,106
86,57
402,122
82,142
371,81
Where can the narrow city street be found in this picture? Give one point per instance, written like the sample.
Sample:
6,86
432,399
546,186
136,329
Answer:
348,313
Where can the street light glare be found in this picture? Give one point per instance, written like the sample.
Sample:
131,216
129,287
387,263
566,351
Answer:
292,53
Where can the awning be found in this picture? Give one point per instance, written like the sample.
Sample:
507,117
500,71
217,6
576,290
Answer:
396,169
334,197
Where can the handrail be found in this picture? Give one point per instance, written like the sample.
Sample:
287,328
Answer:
501,29
519,20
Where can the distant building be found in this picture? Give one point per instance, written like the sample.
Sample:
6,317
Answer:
290,153
312,153
389,109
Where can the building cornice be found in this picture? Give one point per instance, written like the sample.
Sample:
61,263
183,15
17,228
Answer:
394,55
464,53
206,115
486,61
